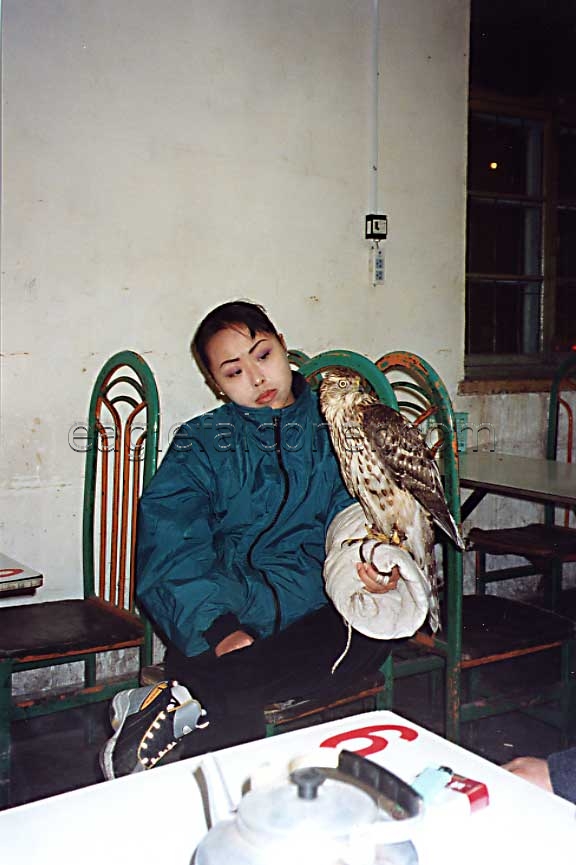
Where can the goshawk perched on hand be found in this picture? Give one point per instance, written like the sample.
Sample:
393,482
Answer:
387,466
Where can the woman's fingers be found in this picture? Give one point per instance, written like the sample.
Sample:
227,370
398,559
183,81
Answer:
377,583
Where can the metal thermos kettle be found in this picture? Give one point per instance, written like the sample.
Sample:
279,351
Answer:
355,814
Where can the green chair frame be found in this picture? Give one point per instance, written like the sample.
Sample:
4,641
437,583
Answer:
427,400
121,456
372,691
475,631
549,545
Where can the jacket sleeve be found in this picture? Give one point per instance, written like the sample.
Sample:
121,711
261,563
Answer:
562,768
179,581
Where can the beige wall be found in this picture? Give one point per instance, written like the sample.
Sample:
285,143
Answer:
161,157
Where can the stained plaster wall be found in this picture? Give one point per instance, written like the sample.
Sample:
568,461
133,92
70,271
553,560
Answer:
159,158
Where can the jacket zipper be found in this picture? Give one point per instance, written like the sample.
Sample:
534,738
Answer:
270,526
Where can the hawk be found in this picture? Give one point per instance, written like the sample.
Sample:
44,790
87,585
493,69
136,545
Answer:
387,466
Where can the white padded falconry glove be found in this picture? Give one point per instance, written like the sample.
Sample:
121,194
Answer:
388,616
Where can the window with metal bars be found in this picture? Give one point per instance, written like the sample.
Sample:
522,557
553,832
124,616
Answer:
521,241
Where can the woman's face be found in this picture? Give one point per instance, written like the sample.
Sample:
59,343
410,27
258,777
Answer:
251,371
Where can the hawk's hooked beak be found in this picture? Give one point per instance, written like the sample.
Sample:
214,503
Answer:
354,384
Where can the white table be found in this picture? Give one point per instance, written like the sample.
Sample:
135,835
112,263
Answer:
157,817
16,577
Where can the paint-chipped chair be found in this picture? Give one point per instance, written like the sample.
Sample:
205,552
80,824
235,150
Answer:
372,691
549,545
477,631
121,443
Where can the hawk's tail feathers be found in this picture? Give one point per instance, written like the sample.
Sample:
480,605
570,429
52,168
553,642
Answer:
434,612
446,522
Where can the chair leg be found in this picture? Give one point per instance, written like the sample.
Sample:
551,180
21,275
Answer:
480,572
90,681
5,731
271,729
385,697
90,671
552,576
471,690
436,682
453,700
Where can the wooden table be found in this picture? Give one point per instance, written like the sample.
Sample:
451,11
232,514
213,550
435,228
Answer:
531,478
158,816
16,578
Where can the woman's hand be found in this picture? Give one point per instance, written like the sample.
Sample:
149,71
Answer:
235,640
374,581
532,769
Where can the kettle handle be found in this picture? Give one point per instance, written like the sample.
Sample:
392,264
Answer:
219,805
382,781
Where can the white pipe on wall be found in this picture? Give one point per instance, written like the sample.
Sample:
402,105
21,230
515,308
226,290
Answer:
375,105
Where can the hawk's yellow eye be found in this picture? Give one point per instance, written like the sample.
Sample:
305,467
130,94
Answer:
342,383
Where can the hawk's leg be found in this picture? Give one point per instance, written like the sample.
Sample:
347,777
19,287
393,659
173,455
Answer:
370,535
396,539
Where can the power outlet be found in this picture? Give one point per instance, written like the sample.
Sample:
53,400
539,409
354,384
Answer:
377,265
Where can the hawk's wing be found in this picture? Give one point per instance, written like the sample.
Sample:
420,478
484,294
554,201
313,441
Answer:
404,454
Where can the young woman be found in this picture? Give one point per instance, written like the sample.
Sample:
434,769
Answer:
231,546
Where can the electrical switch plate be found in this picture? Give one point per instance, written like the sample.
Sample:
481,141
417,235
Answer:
376,227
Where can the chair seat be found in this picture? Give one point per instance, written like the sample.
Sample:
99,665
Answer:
293,710
495,626
57,628
532,541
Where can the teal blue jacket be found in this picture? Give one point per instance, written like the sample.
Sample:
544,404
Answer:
232,527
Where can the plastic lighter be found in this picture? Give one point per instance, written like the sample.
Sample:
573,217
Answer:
442,789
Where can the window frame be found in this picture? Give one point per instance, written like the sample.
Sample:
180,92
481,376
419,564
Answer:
552,115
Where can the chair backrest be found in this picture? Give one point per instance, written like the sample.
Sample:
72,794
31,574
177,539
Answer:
423,399
559,407
409,384
311,366
121,457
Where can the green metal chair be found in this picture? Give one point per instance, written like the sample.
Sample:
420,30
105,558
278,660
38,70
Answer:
477,631
549,545
371,691
121,444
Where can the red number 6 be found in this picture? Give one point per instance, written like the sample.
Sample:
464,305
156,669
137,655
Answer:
378,743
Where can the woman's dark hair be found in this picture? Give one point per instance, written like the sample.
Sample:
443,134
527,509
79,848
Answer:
237,312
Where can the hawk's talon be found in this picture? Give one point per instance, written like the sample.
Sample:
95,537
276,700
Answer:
373,535
397,539
370,561
349,542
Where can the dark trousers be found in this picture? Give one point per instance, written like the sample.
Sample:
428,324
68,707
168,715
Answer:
296,663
